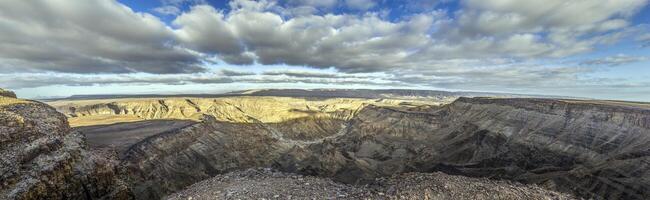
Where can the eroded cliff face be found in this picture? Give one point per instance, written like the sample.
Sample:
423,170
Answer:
41,157
230,109
170,161
592,149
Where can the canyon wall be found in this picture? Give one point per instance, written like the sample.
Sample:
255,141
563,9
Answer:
593,149
41,157
588,148
231,109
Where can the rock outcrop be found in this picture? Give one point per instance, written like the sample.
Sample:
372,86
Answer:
41,157
7,93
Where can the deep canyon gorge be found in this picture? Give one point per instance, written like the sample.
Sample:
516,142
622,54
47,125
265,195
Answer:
149,148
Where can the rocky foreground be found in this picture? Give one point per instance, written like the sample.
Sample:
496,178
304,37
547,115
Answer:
269,184
41,157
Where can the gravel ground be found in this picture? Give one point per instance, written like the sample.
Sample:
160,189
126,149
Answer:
270,184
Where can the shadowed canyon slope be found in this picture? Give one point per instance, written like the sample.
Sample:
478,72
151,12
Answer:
594,149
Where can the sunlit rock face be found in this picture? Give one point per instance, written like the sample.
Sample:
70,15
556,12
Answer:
232,109
41,157
593,149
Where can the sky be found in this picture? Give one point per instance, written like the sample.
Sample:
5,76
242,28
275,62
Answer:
582,48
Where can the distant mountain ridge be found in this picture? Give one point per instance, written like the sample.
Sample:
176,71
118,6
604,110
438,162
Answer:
326,93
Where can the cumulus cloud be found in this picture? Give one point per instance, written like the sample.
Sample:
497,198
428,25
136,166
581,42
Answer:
485,43
88,37
204,29
253,32
532,29
258,32
347,42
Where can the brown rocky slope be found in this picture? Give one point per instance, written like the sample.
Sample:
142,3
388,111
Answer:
41,157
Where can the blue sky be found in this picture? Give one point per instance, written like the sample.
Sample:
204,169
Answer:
585,48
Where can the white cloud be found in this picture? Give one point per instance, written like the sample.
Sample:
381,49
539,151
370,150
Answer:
487,43
481,30
563,27
204,29
347,42
32,80
87,37
259,32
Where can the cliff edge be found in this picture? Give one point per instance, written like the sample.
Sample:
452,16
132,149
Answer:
41,157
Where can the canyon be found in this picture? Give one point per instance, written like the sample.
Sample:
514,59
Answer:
172,147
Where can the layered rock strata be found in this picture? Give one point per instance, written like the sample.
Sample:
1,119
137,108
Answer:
41,157
591,149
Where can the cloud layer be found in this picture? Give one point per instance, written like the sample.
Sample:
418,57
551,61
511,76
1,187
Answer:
87,37
482,44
